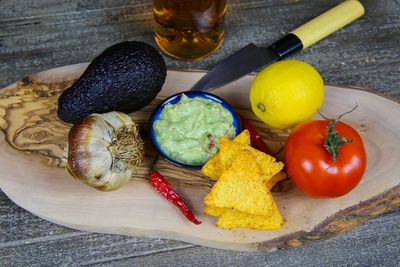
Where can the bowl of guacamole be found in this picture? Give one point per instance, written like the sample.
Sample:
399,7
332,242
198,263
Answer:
185,128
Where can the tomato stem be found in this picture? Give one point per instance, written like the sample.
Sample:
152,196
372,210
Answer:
332,140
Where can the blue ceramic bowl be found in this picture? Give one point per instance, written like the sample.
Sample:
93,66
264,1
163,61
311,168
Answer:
175,99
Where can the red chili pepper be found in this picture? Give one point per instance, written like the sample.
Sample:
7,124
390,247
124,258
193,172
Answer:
159,183
256,140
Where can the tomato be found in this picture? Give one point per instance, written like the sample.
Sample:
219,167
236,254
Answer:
313,169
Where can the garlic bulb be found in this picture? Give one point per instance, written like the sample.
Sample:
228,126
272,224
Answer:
104,150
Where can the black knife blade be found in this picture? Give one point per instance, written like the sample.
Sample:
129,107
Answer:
257,57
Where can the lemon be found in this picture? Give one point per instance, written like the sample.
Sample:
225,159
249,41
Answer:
286,92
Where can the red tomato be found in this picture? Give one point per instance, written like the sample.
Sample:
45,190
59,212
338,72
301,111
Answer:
312,168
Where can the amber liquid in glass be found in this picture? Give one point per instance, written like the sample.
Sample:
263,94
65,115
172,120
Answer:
189,29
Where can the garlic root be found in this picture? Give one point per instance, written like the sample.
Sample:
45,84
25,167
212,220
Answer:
104,150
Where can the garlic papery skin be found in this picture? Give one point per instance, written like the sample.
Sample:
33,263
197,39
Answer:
104,150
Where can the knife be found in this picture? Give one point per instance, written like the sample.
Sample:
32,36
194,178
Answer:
251,58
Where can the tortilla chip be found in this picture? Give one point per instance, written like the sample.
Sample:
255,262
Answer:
229,150
236,219
214,211
241,196
241,187
243,138
213,167
268,164
280,176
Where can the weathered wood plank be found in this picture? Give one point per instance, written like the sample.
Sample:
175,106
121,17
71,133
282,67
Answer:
362,246
17,225
28,240
43,34
356,248
82,248
78,34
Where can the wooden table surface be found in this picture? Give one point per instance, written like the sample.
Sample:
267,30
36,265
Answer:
43,34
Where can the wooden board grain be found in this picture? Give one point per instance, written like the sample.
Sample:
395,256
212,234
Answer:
32,172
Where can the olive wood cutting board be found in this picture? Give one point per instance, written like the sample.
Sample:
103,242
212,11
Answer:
33,174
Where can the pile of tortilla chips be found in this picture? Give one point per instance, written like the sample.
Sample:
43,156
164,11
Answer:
241,196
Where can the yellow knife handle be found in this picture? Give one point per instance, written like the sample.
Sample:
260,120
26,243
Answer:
329,22
318,28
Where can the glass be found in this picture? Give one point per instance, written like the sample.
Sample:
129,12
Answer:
189,29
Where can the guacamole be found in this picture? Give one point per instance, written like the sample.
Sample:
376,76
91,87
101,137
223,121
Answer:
188,131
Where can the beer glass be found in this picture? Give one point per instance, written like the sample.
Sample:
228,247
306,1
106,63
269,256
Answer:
189,29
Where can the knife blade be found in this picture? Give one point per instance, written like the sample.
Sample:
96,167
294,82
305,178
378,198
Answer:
255,57
252,58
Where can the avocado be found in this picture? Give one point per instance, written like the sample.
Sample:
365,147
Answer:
125,77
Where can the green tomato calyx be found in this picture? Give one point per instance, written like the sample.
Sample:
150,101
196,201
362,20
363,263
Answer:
332,140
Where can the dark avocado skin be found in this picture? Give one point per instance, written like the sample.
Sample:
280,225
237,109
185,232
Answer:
125,77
